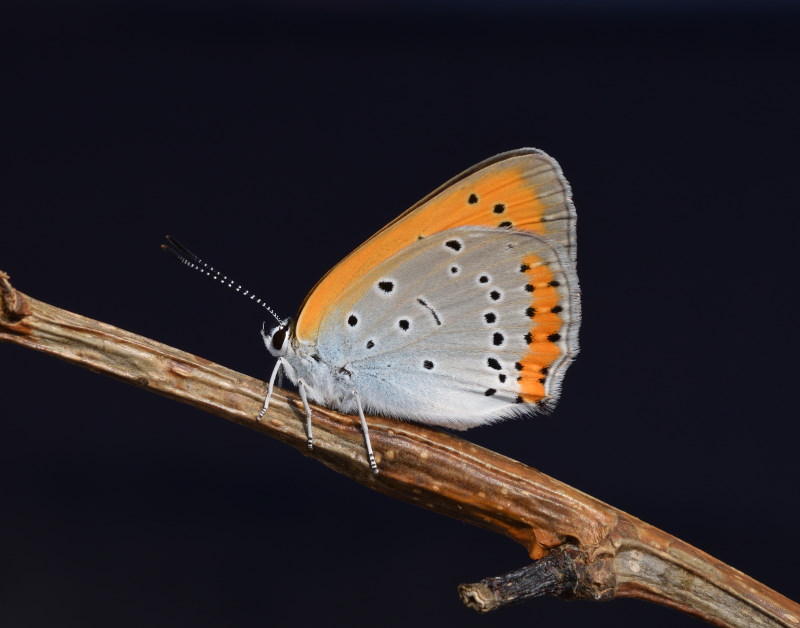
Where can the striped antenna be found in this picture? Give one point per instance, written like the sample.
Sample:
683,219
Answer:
182,254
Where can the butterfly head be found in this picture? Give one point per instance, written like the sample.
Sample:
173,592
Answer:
277,338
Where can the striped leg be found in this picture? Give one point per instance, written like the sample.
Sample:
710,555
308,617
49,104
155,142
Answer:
278,366
301,386
365,431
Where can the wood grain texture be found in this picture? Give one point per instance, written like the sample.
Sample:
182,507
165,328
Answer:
608,552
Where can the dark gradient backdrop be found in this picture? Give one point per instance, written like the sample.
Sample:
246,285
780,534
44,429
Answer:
275,142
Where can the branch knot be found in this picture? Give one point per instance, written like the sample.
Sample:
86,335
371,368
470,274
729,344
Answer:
12,305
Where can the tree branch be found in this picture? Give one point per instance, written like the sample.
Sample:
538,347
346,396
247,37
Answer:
582,547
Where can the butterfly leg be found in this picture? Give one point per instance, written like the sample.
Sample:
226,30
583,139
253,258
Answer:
365,431
301,386
275,371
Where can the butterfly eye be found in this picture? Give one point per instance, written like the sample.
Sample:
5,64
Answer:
279,339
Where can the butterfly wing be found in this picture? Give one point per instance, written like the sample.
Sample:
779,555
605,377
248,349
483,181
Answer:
459,328
520,190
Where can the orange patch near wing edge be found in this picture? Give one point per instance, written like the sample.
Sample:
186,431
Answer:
544,333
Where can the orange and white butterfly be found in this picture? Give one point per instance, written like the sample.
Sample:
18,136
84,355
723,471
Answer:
462,311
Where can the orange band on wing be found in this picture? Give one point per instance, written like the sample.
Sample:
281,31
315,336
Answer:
544,333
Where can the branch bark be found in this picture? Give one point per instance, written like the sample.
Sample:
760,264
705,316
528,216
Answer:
581,547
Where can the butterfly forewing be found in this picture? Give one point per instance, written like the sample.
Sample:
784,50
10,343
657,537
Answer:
459,328
522,190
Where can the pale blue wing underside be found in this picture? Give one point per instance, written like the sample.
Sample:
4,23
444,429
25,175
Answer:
433,333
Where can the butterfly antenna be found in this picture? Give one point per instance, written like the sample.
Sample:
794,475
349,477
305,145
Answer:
184,255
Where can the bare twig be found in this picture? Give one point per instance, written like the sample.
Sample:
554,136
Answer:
582,548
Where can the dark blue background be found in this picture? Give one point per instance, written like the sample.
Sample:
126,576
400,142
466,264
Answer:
274,140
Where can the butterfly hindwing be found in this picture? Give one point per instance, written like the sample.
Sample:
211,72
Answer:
459,328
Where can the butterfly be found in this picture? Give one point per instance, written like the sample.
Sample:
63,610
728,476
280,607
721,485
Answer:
462,311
